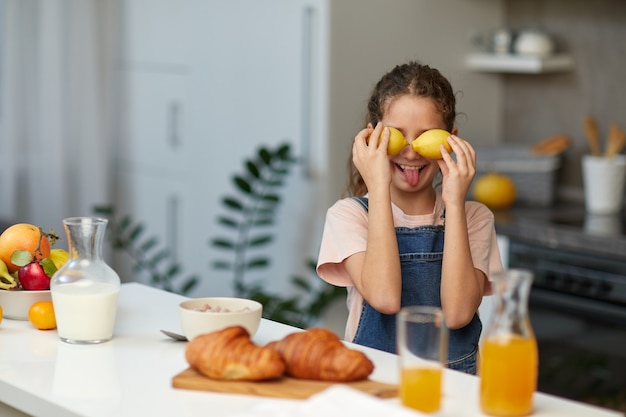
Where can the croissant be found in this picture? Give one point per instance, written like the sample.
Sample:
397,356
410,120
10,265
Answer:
230,354
319,354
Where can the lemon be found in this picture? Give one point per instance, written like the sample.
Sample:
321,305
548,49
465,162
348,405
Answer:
427,144
496,191
59,257
397,141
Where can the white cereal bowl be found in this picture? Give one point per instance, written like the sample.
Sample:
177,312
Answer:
15,304
219,313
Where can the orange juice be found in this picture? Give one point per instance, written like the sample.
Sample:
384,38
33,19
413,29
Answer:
508,375
420,388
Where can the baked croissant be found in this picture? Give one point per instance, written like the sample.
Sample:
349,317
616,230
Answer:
230,354
319,354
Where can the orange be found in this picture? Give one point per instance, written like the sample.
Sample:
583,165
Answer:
41,315
1,314
23,236
496,191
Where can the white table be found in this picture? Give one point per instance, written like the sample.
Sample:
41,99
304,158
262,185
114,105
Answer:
132,374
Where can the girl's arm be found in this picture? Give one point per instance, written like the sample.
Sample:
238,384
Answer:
462,285
376,272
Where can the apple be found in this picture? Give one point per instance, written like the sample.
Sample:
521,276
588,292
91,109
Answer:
33,277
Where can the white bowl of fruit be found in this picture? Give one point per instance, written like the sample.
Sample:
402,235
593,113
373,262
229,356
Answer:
27,262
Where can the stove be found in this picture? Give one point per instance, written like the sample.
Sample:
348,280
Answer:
577,306
577,282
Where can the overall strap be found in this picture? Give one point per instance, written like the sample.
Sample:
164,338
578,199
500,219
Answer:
364,201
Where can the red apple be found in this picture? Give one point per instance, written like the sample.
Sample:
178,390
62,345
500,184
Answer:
33,277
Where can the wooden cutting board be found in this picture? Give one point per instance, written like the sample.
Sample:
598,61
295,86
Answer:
284,387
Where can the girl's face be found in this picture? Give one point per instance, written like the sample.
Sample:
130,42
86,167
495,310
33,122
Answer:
412,116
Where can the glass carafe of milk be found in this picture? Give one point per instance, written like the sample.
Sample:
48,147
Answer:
85,290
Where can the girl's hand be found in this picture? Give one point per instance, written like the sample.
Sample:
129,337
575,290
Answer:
370,158
457,176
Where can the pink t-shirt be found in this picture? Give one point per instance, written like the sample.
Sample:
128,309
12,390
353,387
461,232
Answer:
345,233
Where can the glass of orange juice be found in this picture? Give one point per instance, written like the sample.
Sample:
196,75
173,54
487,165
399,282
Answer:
422,340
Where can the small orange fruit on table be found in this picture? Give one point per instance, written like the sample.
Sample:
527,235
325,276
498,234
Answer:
41,315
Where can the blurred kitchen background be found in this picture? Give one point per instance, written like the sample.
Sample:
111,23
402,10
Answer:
151,106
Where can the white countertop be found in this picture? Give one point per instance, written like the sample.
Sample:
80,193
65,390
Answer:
132,374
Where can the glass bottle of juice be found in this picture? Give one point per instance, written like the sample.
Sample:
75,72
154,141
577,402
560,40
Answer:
508,361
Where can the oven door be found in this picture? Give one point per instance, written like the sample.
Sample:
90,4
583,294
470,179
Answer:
578,312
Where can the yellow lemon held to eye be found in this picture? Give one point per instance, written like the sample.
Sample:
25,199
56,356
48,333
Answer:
427,144
397,141
496,191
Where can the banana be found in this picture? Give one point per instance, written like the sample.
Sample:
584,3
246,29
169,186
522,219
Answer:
59,257
6,280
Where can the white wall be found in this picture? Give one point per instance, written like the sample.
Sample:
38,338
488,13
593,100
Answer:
436,33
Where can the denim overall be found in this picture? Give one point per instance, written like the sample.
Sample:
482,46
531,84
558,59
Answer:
421,253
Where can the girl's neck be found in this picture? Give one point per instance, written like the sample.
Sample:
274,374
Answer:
415,203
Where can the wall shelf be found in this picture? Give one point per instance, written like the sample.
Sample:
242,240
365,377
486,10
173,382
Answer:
520,64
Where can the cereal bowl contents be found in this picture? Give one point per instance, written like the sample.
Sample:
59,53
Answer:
206,315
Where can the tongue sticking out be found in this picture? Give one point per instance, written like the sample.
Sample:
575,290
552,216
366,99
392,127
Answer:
412,176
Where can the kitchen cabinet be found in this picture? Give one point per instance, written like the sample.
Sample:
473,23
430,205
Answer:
204,83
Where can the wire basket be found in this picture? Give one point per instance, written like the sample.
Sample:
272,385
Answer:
535,177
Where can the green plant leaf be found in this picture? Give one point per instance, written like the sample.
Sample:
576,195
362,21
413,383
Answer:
253,169
49,268
265,156
263,222
223,243
222,265
260,240
158,257
242,184
274,198
125,223
136,232
233,203
173,270
228,222
21,257
189,285
257,263
149,244
302,284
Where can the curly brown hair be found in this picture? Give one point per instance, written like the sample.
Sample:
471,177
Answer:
411,78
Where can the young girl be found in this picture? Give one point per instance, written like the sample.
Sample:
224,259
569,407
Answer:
398,241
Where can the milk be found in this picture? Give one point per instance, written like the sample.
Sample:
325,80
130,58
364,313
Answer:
85,317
